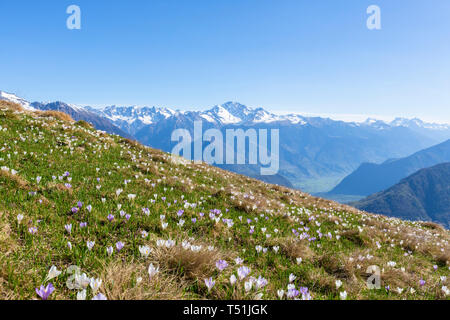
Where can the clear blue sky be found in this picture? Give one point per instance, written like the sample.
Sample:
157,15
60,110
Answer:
286,55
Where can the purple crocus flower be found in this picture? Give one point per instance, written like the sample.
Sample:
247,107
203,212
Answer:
110,217
99,296
75,210
292,293
127,216
119,245
221,264
89,208
422,282
180,213
194,220
45,292
83,224
79,204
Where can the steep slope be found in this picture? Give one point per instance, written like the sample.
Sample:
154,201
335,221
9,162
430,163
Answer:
425,195
370,178
142,224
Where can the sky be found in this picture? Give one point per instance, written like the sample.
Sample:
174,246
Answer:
300,56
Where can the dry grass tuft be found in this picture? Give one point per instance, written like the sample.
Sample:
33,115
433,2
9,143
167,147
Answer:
187,264
84,124
120,283
16,179
12,106
353,236
55,114
432,225
296,249
333,266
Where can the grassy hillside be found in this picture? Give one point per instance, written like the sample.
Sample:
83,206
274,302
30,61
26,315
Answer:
70,194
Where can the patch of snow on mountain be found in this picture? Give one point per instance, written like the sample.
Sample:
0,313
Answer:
15,99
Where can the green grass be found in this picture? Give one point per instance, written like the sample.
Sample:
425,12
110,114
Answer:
47,147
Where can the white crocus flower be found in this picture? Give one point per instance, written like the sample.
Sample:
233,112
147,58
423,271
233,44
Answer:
152,271
81,295
144,250
52,273
95,285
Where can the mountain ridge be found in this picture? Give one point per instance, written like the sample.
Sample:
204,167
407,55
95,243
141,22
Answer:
424,195
370,178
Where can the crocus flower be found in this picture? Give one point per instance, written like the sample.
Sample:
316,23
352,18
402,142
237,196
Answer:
82,281
119,245
52,273
422,282
209,283
110,217
305,293
90,244
99,297
81,295
261,282
343,295
45,292
243,272
292,293
32,230
233,279
152,271
95,285
110,250
68,228
221,264
144,250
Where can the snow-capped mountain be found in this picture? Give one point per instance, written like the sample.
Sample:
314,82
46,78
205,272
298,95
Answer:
13,98
417,123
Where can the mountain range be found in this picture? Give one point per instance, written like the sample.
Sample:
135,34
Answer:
315,153
425,195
